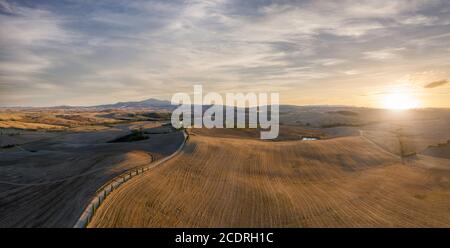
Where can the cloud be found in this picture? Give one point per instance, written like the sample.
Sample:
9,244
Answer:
28,26
331,61
383,54
436,84
30,40
418,20
113,50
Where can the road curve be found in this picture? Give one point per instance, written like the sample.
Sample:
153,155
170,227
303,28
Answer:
116,182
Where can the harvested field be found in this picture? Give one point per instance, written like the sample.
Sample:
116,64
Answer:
286,132
27,125
227,182
51,186
370,168
442,151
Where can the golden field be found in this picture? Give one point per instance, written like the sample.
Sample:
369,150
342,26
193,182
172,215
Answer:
370,168
225,182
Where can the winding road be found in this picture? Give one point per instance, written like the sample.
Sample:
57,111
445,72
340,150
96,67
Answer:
116,182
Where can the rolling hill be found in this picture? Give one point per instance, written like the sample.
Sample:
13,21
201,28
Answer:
228,182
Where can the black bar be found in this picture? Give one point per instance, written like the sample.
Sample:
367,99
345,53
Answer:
226,237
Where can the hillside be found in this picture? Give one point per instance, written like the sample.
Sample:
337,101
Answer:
48,178
225,182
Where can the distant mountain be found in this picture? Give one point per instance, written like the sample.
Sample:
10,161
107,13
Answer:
149,103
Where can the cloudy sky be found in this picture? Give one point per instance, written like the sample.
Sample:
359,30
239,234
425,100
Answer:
311,52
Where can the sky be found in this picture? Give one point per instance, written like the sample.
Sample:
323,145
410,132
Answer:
360,53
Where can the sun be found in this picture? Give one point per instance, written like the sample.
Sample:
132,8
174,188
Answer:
400,101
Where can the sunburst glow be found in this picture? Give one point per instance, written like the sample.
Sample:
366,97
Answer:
400,100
